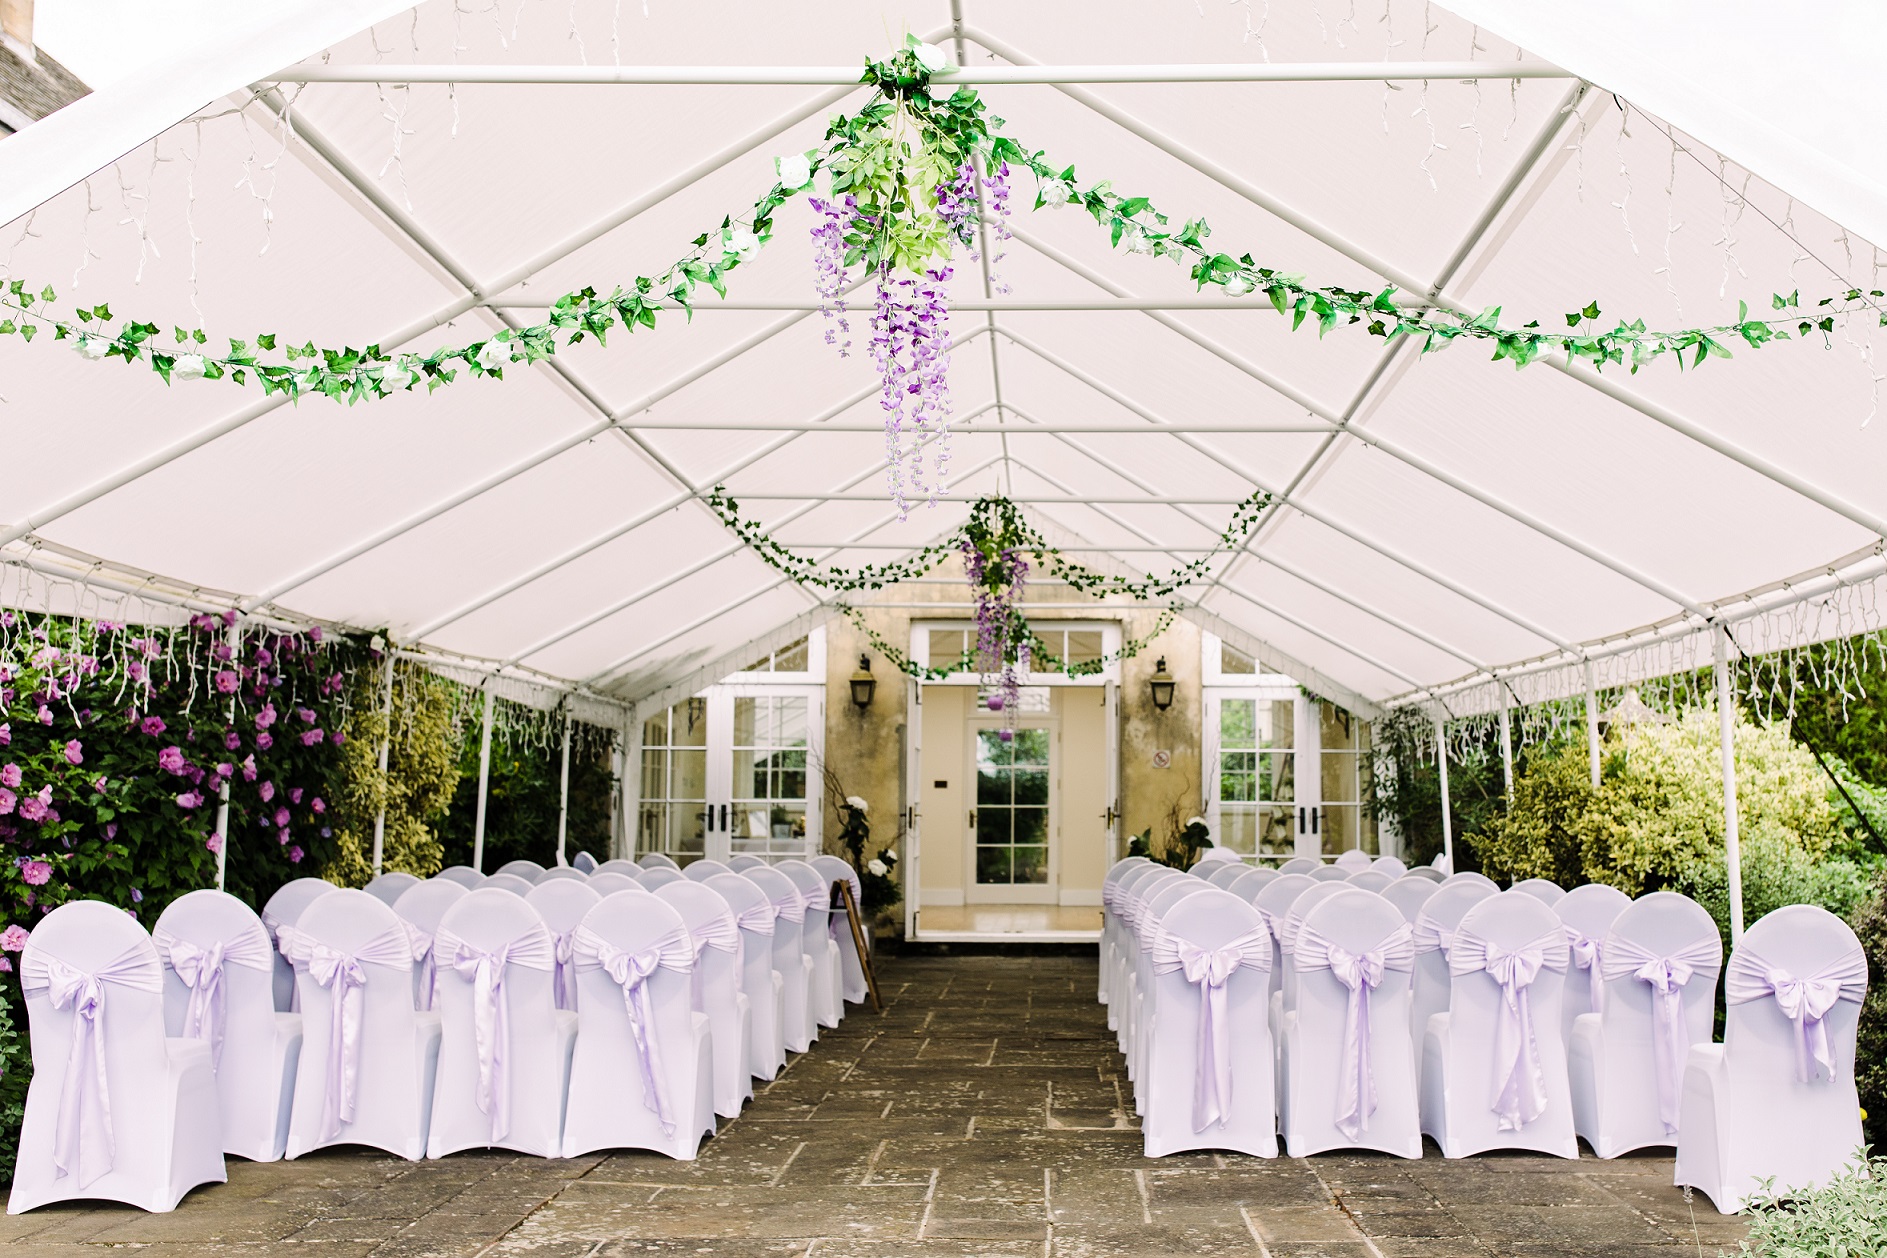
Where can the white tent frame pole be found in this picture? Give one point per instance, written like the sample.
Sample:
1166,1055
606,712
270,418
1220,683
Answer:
1284,499
848,76
1001,305
452,310
962,429
234,638
563,795
1722,644
386,748
1592,722
1447,819
1506,748
1317,231
484,780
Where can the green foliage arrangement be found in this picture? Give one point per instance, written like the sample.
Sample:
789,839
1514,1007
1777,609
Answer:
1844,1218
16,1071
879,892
421,776
1870,1047
522,800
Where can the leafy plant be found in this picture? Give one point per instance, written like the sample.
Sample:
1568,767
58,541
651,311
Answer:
522,800
1844,1218
16,1071
417,787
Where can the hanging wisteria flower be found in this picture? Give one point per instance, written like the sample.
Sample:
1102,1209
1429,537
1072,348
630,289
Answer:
828,265
910,346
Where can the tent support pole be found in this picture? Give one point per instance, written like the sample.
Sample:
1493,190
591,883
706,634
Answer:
1506,747
386,747
484,783
1447,821
1592,722
563,796
222,791
1726,734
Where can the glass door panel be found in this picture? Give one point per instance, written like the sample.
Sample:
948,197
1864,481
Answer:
1256,776
674,809
1012,808
769,778
1345,762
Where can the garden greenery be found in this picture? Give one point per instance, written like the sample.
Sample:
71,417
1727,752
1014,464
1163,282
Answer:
417,785
1844,1218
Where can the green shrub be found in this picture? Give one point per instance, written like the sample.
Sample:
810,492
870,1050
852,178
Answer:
1870,1050
1845,1218
16,1071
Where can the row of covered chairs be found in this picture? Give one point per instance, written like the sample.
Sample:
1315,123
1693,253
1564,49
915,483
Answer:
422,1017
1345,1013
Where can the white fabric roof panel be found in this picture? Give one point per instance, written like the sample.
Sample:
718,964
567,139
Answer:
505,522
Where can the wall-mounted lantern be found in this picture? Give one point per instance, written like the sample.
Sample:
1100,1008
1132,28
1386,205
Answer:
1161,684
864,685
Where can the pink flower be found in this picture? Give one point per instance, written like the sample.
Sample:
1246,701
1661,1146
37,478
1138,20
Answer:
171,760
232,740
339,737
45,715
111,830
189,799
266,717
137,896
264,741
214,843
281,816
13,938
263,658
35,807
36,873
281,837
75,754
248,768
306,714
10,776
7,801
225,770
295,854
310,737
226,682
153,725
294,796
99,784
267,791
6,966
314,633
318,806
6,734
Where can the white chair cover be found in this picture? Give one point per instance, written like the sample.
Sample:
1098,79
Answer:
1251,881
606,883
1429,872
1287,935
1587,913
702,870
1346,1068
644,1059
851,970
115,1110
565,873
827,990
764,987
367,1056
583,863
657,860
800,1027
1208,1079
504,1061
1353,861
1153,909
1544,890
1493,1066
1658,966
1110,891
619,866
1330,873
516,885
218,987
1409,893
464,875
1214,853
285,908
562,903
389,887
719,959
1371,879
1434,930
741,862
1300,865
660,876
1390,865
1117,944
1273,903
1469,875
1222,874
528,870
1776,1100
421,908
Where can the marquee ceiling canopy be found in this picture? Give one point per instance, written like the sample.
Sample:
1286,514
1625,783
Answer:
1441,520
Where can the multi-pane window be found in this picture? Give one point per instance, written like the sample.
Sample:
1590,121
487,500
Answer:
1235,663
1067,648
794,657
1345,766
1012,807
769,787
1257,776
674,781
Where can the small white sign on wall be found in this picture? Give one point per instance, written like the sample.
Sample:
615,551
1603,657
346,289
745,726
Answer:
1162,759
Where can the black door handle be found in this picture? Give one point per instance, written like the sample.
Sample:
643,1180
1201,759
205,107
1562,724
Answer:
723,818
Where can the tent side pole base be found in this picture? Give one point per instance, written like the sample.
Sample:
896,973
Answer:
484,785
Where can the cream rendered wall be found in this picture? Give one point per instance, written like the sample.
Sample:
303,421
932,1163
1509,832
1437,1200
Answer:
1081,833
943,822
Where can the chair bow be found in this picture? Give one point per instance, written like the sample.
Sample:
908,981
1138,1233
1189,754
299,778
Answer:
1519,1083
1804,1001
344,975
631,971
1667,976
1361,973
564,977
425,956
1588,954
485,969
1209,969
84,1142
1431,936
199,967
757,917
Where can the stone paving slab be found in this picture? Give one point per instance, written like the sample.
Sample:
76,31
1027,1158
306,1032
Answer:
985,1114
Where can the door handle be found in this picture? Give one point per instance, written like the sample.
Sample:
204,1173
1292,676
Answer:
723,818
1315,814
1302,828
972,818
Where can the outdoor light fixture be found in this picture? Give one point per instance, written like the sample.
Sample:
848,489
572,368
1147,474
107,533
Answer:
864,685
1161,685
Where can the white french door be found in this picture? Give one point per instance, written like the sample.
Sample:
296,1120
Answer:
762,743
1012,854
1263,750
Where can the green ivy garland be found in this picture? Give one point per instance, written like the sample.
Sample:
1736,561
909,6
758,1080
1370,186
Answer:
953,126
1041,659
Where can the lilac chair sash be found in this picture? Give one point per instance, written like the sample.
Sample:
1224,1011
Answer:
1210,970
1361,973
342,974
1667,976
1804,1001
201,970
757,917
83,1142
424,956
491,1019
674,951
564,976
1519,1082
1430,935
1588,954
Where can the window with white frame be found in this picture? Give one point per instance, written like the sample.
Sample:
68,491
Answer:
672,816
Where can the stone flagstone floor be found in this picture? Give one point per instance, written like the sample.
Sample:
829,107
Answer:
984,1114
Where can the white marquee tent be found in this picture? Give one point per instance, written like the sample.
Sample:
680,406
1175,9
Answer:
1444,521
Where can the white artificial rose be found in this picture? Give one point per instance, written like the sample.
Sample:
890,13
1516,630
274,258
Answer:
187,367
1237,285
858,803
92,347
931,57
1195,821
1136,239
495,355
741,245
1055,194
878,867
403,374
795,170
